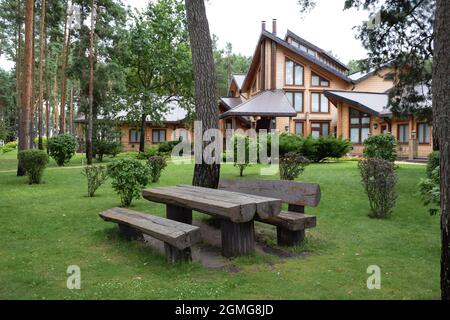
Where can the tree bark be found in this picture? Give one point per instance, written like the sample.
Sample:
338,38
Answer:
24,127
89,147
64,61
42,43
18,55
142,133
71,111
441,111
32,96
205,175
55,97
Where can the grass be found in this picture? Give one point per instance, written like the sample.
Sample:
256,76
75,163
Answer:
45,228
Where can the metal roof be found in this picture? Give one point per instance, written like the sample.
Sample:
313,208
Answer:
373,103
265,104
231,102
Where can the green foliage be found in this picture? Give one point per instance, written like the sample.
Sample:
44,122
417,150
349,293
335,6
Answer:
156,165
433,163
8,147
290,143
129,177
325,148
292,165
430,187
104,147
62,148
34,162
379,180
44,142
241,161
149,152
8,99
167,147
381,146
96,176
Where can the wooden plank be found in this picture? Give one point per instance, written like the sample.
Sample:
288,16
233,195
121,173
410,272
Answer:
177,234
218,207
238,239
265,206
291,221
292,192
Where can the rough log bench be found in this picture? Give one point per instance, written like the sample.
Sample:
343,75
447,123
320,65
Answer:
290,224
177,237
237,212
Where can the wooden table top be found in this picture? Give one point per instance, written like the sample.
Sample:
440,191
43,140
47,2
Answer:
237,207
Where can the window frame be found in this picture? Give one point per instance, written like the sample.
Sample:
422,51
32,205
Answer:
138,136
427,127
293,99
320,93
293,73
360,126
159,130
320,80
303,122
407,133
321,122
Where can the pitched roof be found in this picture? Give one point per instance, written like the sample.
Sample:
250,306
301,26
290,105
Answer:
265,104
289,33
239,78
175,114
373,103
231,102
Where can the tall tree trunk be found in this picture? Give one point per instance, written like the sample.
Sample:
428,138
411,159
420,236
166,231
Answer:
64,61
32,97
441,111
142,140
42,43
18,55
55,97
47,99
89,147
24,127
205,175
71,111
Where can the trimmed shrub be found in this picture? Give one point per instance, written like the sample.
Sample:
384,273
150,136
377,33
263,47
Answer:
62,148
290,143
381,146
8,147
156,165
242,165
379,180
34,162
323,148
148,152
129,178
292,165
167,147
104,147
96,176
433,163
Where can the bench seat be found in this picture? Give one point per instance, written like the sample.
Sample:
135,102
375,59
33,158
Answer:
177,237
292,221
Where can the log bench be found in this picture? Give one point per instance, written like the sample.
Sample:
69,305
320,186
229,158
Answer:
290,224
177,237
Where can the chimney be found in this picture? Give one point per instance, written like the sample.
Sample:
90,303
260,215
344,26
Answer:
274,26
263,25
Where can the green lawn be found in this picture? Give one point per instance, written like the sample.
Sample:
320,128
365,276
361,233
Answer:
46,228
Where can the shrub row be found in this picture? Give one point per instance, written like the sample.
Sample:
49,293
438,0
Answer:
8,147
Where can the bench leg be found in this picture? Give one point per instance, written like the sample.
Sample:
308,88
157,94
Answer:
289,238
175,255
129,233
238,239
179,214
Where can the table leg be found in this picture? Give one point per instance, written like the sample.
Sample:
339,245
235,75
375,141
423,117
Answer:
238,239
179,214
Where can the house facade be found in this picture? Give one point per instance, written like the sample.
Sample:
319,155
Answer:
294,86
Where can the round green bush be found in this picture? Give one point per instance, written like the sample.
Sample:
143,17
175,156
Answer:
129,178
433,163
62,148
381,146
34,162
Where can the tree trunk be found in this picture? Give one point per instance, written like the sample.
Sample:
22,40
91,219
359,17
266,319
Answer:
89,147
142,140
71,111
32,96
55,97
42,43
64,61
47,98
441,111
18,55
24,127
205,175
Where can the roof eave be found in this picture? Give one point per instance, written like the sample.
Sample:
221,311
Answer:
331,96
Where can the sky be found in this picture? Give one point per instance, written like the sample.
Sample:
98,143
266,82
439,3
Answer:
239,22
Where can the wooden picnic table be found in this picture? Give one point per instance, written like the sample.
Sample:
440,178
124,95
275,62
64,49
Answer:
237,212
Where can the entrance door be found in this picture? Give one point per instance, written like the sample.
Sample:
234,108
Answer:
264,124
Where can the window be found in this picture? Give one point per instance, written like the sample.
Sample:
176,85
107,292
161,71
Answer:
159,136
228,125
359,126
319,103
296,100
319,129
299,127
423,133
135,136
318,81
403,133
294,73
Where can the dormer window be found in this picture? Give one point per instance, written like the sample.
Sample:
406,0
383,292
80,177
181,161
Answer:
294,73
318,81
